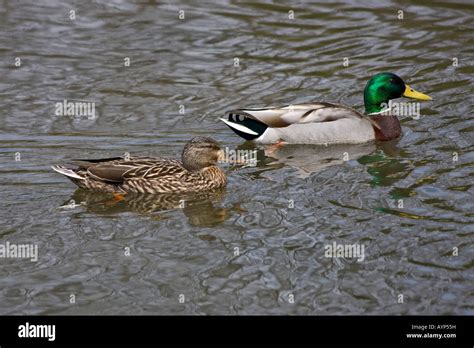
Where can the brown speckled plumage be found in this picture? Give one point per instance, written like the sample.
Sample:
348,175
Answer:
196,172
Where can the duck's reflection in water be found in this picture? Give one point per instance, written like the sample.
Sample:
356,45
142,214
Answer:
309,159
312,158
202,209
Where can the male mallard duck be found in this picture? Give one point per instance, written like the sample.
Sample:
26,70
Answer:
197,171
327,123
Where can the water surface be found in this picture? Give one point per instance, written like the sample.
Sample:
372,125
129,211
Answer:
246,250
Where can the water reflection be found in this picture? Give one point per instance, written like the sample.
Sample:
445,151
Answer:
309,159
191,63
201,209
387,165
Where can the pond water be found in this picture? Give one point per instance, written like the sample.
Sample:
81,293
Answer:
258,247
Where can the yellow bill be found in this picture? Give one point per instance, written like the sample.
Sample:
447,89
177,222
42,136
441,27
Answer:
411,93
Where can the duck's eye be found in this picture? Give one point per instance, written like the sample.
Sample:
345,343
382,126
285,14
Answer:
382,89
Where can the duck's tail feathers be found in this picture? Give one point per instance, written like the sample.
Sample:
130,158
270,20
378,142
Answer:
67,172
245,127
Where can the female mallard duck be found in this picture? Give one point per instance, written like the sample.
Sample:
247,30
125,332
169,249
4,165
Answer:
327,123
196,172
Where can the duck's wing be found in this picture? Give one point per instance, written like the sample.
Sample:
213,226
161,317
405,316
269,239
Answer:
159,169
119,170
113,174
291,114
86,163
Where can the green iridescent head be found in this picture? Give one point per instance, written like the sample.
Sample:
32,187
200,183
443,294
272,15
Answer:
386,86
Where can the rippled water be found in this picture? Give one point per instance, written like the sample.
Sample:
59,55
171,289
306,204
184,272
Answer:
280,214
